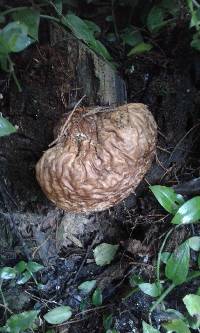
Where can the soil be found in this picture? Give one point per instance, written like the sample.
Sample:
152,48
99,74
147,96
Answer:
31,228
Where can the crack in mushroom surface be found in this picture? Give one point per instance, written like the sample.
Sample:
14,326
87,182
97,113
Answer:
100,160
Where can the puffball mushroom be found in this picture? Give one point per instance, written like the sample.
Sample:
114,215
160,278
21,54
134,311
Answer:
99,159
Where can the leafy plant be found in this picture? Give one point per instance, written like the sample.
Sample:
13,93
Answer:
177,264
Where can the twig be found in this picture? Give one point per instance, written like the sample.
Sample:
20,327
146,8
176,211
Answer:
65,126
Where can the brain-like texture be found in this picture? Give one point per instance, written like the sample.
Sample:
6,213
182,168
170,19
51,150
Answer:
100,160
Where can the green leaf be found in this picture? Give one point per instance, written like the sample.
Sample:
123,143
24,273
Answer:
100,49
18,323
148,328
199,260
155,19
31,18
150,289
134,280
195,43
177,266
177,325
140,48
171,6
7,273
167,198
4,63
131,36
192,303
165,256
25,277
87,286
79,28
105,253
6,127
58,315
111,331
21,266
194,243
189,212
107,321
34,267
97,297
13,38
93,27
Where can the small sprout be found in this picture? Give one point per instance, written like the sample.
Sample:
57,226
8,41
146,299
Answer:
58,315
105,253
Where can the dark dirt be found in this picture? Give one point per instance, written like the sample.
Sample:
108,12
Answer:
32,228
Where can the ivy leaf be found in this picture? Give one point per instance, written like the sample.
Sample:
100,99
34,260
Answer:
18,323
6,127
176,325
13,38
192,303
58,315
105,253
97,297
155,19
20,267
177,266
167,198
140,48
7,273
148,328
100,49
194,243
150,289
189,212
165,256
87,286
31,18
25,277
34,267
93,27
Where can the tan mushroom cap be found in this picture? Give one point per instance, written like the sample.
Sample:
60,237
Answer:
101,160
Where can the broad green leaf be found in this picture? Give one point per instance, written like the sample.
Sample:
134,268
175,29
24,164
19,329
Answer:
189,212
167,198
78,27
100,49
140,48
7,273
165,256
177,325
6,127
155,19
34,267
107,321
97,297
194,243
177,266
25,277
58,315
93,26
21,266
150,289
18,323
105,253
13,38
171,6
31,18
148,328
134,280
192,303
131,37
87,286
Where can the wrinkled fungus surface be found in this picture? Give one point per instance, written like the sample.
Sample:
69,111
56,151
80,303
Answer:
102,157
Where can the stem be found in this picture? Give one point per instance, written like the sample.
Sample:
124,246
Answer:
160,299
48,17
114,21
12,71
159,255
11,10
